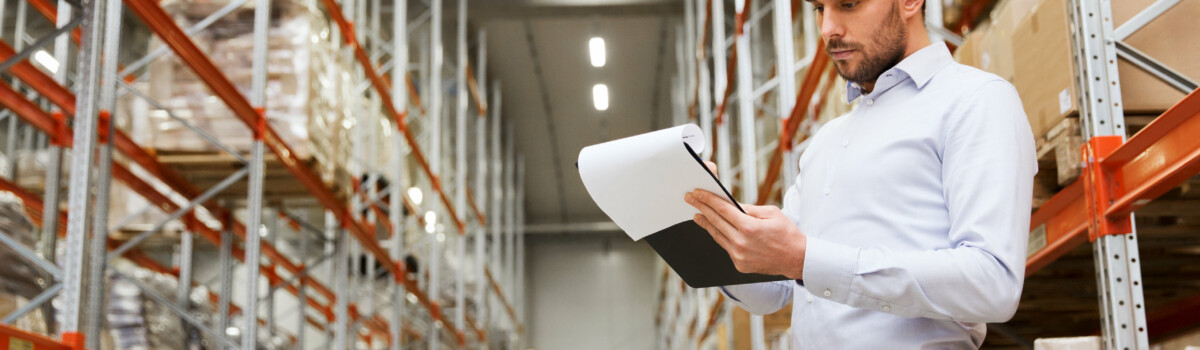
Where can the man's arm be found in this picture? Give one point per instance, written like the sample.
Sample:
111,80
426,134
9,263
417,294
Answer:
988,166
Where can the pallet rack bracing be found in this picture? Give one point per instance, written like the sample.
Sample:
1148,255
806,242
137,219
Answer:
92,102
1119,177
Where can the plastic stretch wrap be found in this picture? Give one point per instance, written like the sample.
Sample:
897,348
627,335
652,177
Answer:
303,90
20,280
135,321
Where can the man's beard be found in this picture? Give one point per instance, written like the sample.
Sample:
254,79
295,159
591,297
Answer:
890,50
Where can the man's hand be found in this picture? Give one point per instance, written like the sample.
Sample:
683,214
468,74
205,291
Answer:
762,240
712,167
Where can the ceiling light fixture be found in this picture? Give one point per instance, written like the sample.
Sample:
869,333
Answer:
600,97
596,48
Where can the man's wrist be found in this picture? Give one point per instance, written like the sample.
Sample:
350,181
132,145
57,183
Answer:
796,270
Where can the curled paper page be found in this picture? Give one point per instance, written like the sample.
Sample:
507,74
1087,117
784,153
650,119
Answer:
639,181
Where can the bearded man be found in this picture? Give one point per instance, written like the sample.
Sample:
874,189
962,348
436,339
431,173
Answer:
907,225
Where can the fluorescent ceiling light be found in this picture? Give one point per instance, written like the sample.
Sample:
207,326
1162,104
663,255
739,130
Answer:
430,221
46,61
415,195
600,97
596,48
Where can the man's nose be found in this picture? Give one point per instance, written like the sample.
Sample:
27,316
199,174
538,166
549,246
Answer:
831,25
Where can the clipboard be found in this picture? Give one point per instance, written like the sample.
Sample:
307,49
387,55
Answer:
639,182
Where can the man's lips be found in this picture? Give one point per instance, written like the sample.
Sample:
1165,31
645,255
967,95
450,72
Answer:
840,54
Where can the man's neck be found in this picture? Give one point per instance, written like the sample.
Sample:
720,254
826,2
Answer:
917,41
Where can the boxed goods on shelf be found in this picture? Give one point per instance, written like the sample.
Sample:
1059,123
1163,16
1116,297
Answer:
1029,43
1045,67
304,81
20,280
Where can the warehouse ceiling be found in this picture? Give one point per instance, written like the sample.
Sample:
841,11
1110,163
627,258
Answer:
537,49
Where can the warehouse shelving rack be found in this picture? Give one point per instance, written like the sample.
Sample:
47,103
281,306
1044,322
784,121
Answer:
96,86
1120,176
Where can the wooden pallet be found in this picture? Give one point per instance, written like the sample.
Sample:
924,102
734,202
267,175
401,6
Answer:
205,170
1059,160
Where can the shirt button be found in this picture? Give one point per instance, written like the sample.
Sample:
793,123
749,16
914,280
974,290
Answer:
845,143
887,308
828,293
827,191
810,299
870,102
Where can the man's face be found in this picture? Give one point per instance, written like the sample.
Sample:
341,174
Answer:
864,38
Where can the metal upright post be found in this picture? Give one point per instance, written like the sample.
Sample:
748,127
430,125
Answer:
435,152
1122,311
745,95
53,185
226,272
79,199
510,212
399,176
689,56
184,287
254,200
519,295
272,232
340,280
724,157
784,66
704,105
460,165
748,146
481,173
497,190
97,263
303,294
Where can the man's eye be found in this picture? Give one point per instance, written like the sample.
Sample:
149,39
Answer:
849,5
819,9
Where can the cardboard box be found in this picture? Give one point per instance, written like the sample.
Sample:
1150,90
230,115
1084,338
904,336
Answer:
1044,68
1172,39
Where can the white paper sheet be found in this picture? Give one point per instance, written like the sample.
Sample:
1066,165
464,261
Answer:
639,181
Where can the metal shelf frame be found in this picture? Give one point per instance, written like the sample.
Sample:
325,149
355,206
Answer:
99,80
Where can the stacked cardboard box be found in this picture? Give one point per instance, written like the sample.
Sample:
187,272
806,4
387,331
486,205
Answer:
1034,36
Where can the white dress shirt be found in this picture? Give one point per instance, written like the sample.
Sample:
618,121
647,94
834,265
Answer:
916,208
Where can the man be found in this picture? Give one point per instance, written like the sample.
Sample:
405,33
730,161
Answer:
908,223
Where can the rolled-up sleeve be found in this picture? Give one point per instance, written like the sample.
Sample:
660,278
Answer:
988,163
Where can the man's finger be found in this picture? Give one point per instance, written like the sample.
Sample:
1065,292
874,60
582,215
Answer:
759,211
725,209
716,234
715,219
712,167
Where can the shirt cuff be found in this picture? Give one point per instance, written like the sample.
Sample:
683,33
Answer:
829,269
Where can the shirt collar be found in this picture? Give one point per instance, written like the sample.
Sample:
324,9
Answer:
919,66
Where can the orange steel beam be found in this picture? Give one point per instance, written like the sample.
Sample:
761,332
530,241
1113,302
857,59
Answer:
33,208
63,98
1161,156
381,87
11,99
60,96
162,25
16,338
507,306
808,87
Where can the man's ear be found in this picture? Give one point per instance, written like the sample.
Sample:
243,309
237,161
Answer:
912,8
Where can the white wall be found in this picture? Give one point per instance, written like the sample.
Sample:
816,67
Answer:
590,291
